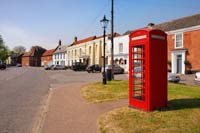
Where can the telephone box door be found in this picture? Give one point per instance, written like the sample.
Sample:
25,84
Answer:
137,76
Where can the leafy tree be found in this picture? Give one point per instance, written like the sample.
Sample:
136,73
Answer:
3,50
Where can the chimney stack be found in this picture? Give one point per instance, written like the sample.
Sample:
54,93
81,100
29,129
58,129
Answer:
150,25
75,39
59,43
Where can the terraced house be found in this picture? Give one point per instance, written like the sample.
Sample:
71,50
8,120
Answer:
183,43
88,51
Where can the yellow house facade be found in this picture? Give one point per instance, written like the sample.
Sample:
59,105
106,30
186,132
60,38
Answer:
88,51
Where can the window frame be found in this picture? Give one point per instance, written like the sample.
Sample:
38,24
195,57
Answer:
175,42
121,49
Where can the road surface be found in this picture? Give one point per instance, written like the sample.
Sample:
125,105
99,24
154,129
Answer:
22,91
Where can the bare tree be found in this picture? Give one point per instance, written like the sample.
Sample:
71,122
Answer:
19,50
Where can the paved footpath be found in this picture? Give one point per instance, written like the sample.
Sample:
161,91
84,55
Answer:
69,113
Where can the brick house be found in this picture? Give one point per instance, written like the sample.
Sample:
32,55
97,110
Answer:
33,57
47,57
183,43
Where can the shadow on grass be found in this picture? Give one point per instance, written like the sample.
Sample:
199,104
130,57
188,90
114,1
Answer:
179,104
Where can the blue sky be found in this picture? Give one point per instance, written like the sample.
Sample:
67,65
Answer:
44,22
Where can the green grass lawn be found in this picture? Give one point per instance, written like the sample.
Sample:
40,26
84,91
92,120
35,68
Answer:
97,92
181,115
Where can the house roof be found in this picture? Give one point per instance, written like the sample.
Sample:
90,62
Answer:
181,23
92,38
84,40
109,35
61,49
48,52
26,54
176,24
35,51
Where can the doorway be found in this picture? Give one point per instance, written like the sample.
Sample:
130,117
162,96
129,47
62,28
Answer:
179,63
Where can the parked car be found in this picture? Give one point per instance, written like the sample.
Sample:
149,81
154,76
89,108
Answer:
93,68
172,77
48,67
78,66
117,69
137,72
58,67
2,65
19,65
197,78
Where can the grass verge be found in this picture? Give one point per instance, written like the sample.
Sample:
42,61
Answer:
181,115
113,90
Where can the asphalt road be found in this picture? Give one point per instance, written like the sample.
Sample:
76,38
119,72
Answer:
22,91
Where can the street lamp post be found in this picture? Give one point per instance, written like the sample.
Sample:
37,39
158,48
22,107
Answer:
104,22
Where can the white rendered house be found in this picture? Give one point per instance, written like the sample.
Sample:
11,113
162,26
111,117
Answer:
60,56
121,45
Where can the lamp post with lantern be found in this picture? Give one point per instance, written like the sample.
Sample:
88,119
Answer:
104,23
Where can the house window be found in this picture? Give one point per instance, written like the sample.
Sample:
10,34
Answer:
64,56
80,51
75,52
96,49
120,47
90,50
179,40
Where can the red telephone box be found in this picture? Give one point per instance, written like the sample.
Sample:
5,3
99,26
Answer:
148,69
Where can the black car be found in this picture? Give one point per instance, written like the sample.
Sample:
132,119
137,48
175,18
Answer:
78,66
93,68
2,66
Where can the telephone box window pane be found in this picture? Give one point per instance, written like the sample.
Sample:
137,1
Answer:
138,72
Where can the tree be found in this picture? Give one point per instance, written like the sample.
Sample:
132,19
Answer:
1,43
18,50
3,50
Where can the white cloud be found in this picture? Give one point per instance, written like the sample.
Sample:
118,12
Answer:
14,35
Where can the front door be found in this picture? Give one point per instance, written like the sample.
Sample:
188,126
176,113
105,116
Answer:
179,63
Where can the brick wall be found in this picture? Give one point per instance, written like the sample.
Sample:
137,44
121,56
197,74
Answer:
191,41
25,61
46,60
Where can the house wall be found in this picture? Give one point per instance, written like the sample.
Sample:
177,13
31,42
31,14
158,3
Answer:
120,55
25,61
191,42
91,50
74,53
60,59
46,60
